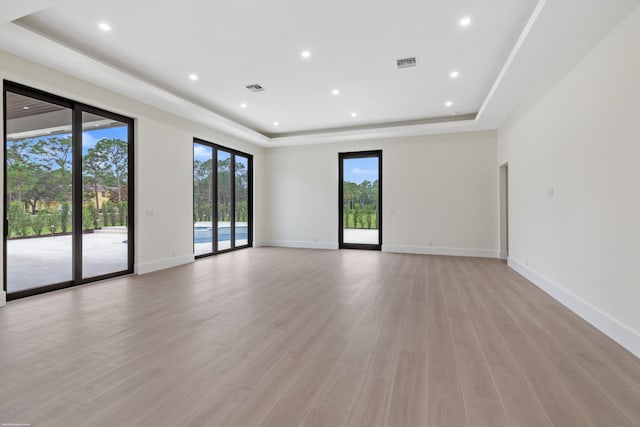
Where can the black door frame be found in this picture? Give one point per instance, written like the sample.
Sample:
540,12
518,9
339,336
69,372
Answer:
214,199
358,155
77,108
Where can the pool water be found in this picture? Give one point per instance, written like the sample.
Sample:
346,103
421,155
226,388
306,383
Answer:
205,234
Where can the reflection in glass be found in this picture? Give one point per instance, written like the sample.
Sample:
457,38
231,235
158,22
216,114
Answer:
39,193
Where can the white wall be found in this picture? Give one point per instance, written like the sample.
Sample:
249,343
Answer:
163,161
440,194
581,140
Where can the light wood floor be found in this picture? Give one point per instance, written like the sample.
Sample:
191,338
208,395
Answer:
283,337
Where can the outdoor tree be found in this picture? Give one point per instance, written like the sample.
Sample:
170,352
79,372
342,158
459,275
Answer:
202,184
65,211
241,190
360,204
39,222
45,188
113,155
93,168
224,189
19,168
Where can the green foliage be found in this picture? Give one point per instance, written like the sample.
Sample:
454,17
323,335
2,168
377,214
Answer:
356,215
203,189
88,217
109,213
360,204
54,221
93,214
39,173
122,213
241,211
65,211
202,183
39,222
368,217
24,224
112,155
20,178
16,216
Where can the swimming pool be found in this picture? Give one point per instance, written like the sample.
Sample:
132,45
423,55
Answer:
204,233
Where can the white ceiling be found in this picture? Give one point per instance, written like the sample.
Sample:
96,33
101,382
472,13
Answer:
510,48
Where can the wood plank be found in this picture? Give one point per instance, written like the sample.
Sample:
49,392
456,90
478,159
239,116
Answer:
321,418
279,337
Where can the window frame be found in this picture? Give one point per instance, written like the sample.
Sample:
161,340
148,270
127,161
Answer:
358,155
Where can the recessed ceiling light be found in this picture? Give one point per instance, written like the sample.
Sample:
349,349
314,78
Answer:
25,108
454,74
464,22
243,105
104,27
276,123
448,104
193,77
306,54
335,92
354,114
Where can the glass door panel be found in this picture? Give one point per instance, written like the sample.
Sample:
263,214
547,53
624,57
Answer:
68,193
222,207
360,218
202,199
39,245
224,200
241,200
105,207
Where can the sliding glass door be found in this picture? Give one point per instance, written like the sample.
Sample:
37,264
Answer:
222,194
360,200
105,207
67,192
38,193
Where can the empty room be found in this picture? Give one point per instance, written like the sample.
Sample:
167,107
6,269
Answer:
338,213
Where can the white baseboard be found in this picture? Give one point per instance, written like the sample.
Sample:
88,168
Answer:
161,264
3,298
298,244
620,333
432,250
504,255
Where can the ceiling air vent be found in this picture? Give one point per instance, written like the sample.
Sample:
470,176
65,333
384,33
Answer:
407,62
255,88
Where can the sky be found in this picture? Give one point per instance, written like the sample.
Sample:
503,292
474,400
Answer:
203,153
358,170
90,138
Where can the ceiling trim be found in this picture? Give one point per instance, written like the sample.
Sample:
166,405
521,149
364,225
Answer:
377,133
549,45
384,125
38,48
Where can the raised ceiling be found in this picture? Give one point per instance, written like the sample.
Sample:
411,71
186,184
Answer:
509,48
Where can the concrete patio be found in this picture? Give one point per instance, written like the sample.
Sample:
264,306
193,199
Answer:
46,260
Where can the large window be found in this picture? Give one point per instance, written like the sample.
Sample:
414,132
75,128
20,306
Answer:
68,193
222,194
